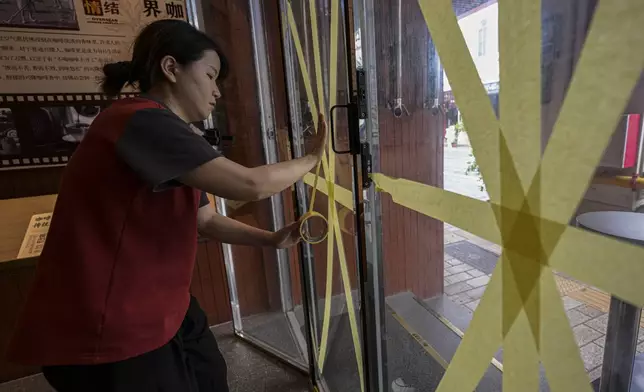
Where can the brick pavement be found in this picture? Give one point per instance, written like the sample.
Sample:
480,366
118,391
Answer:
586,306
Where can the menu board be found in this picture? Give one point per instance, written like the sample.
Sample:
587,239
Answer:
35,237
51,57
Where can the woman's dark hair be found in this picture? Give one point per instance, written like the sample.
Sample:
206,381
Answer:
169,37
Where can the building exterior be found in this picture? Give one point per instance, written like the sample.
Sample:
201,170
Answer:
480,28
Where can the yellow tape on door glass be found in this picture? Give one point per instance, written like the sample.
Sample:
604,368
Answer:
335,233
532,197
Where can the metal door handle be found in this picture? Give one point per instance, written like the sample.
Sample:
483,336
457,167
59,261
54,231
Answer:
333,131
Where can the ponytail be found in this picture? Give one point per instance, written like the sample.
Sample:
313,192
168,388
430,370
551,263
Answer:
115,77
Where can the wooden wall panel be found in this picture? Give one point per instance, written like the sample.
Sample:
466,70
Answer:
412,148
228,23
209,283
14,285
29,182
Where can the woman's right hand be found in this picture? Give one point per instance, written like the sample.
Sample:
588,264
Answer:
230,180
318,141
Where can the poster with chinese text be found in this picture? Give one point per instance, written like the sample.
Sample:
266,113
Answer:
60,46
51,57
34,240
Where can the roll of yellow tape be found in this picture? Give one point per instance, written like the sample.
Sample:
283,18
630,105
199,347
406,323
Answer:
304,231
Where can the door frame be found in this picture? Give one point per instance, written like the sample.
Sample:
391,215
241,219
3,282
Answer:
373,289
366,202
270,149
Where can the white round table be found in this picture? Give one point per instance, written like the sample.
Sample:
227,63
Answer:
623,317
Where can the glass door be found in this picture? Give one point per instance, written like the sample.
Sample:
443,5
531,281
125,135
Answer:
448,192
311,316
486,142
319,58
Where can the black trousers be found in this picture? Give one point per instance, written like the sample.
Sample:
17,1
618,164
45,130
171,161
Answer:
190,362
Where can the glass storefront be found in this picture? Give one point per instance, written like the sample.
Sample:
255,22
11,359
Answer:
476,140
480,197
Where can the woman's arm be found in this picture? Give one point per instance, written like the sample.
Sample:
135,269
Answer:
227,179
221,228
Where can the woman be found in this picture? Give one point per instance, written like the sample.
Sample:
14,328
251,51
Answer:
110,308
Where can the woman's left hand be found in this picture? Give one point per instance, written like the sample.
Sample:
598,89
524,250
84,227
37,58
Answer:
288,236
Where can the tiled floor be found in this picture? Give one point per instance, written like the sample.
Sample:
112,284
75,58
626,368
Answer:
248,370
586,307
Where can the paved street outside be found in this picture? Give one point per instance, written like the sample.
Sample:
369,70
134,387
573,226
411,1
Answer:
456,161
585,306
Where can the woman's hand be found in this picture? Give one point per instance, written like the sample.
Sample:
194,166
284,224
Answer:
229,231
288,236
318,141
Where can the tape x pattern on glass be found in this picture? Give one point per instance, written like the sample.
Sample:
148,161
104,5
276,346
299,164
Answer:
533,196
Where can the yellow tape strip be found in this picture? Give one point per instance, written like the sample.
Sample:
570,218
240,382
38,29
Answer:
585,262
520,70
330,183
341,195
326,319
484,333
424,343
568,257
318,76
301,59
520,314
566,348
351,311
314,111
559,351
621,181
441,204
